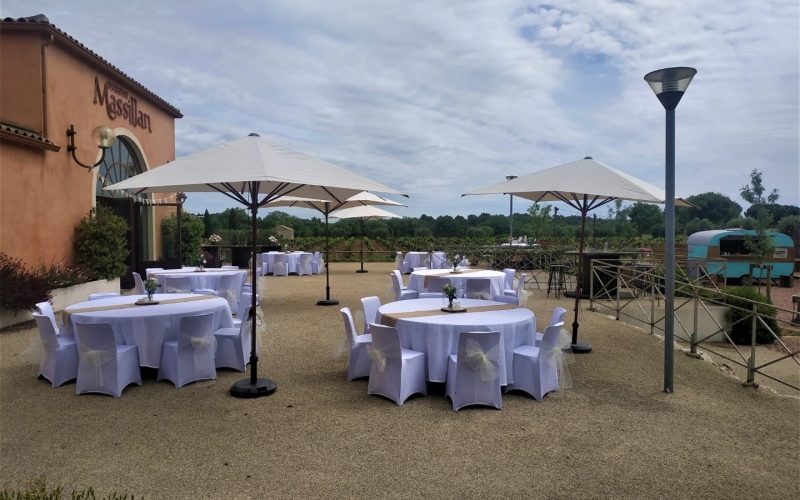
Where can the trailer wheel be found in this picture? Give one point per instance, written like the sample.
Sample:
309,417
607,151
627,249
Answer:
744,280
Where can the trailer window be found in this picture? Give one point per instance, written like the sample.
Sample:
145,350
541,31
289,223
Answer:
733,245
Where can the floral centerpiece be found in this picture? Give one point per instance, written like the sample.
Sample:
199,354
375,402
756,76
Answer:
150,286
450,292
202,258
272,239
214,239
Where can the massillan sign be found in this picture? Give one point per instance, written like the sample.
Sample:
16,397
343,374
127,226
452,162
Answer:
119,104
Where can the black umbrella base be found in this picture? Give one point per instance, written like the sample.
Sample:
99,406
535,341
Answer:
245,389
581,348
362,271
327,302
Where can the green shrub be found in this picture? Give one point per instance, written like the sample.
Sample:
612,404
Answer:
743,297
21,289
60,275
191,236
38,490
101,243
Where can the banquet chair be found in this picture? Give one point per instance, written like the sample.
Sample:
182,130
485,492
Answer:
103,366
359,363
280,265
370,305
190,358
435,288
46,309
555,319
233,344
479,288
395,373
150,270
59,361
402,265
425,261
229,268
304,265
317,263
178,284
473,376
513,299
401,292
138,288
103,295
229,288
535,368
509,289
260,264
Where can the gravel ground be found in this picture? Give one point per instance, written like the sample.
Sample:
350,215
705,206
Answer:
615,434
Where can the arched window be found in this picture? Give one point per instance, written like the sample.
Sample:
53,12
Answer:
119,163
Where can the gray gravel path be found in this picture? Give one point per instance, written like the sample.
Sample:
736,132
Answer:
615,435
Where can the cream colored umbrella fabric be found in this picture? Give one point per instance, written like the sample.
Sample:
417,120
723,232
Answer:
362,213
584,185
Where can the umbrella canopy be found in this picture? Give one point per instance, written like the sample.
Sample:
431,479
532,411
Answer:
584,185
325,207
253,171
362,213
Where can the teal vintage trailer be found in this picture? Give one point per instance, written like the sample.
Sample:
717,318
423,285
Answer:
724,253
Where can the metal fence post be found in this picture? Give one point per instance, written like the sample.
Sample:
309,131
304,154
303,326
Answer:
591,284
693,350
652,305
618,288
751,363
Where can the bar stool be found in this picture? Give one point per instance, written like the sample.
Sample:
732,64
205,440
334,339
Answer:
556,281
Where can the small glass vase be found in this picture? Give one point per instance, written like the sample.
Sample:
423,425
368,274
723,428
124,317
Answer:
149,296
450,303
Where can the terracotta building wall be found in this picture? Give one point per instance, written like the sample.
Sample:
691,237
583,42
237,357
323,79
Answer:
44,194
21,77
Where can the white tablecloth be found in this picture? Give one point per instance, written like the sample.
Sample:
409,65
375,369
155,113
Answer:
200,280
414,258
294,257
437,336
149,326
417,280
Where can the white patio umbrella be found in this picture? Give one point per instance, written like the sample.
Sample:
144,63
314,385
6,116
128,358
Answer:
253,171
363,213
326,206
584,185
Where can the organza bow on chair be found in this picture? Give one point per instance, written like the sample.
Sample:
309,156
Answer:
379,357
560,354
203,360
96,358
483,361
398,262
278,267
524,295
173,289
482,295
36,351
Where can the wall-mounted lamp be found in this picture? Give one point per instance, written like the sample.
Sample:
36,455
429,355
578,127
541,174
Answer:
103,138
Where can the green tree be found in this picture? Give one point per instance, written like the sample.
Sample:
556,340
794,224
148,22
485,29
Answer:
207,230
101,243
191,236
715,207
741,223
760,245
777,211
696,225
644,216
540,217
788,224
755,191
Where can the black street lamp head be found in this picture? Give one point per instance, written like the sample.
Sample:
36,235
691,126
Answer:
511,177
669,84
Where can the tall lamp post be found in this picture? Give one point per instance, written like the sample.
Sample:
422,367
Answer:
555,224
669,84
511,213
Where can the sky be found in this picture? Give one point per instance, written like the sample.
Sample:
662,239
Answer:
439,98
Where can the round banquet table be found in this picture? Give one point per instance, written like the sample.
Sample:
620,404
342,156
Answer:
417,279
148,327
414,258
437,336
293,258
207,280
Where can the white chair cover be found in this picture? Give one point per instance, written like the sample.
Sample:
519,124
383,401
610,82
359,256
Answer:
138,288
439,260
356,345
520,297
103,295
45,309
396,373
103,366
233,344
304,265
230,268
401,264
539,370
435,288
400,292
425,261
178,284
151,270
371,306
509,286
56,356
260,264
317,263
191,357
479,288
229,288
280,265
473,372
556,319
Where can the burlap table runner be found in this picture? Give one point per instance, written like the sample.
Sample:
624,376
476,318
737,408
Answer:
66,314
390,319
445,273
176,271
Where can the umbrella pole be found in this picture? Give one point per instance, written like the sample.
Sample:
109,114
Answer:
253,387
327,301
361,221
579,347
